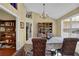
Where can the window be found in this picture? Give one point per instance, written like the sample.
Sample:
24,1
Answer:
14,5
76,18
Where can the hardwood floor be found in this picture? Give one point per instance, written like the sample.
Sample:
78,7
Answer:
7,51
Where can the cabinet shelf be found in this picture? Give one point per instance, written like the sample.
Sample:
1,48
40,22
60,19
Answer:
7,33
44,28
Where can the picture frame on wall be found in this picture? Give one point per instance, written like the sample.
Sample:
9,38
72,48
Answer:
29,15
22,25
14,5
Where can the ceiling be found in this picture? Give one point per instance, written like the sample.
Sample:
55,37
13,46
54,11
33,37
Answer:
54,10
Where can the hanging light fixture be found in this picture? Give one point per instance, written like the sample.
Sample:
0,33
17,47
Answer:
44,15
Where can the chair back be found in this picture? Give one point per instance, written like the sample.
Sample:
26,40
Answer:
69,45
39,46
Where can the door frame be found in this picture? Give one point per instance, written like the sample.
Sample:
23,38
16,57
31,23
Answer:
17,22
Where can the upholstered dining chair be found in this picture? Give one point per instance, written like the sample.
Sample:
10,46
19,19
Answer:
68,47
39,45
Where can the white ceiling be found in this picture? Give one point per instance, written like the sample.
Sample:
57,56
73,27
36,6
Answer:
54,10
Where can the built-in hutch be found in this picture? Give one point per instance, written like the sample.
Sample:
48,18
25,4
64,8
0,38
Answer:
44,29
7,34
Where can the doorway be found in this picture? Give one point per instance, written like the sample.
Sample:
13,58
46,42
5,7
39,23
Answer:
7,33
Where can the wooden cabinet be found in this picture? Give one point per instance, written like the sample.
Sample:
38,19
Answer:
7,34
44,29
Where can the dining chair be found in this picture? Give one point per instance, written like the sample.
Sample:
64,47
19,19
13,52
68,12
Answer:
39,45
68,47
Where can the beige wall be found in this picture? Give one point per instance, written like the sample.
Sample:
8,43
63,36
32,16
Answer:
21,13
58,27
6,16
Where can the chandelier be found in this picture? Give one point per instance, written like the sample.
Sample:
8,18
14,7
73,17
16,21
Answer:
44,15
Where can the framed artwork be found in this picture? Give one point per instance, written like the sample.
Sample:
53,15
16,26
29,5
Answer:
22,25
14,5
29,15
